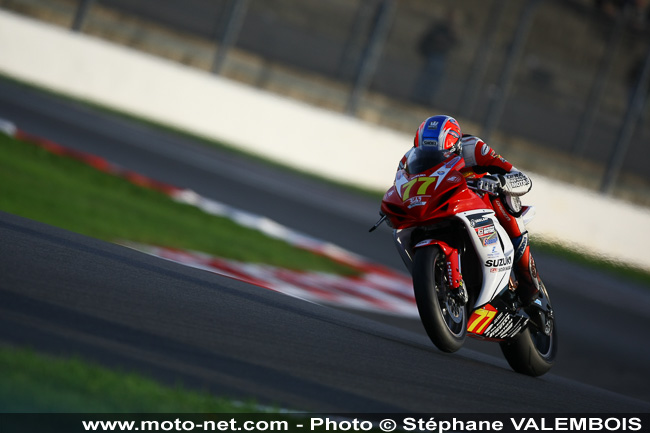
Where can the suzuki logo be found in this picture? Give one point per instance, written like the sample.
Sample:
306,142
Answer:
498,262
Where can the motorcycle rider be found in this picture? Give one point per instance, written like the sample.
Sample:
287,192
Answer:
444,132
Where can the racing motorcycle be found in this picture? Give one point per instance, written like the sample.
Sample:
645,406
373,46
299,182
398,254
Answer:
461,259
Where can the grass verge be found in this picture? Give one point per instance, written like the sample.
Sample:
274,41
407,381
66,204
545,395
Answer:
33,382
66,193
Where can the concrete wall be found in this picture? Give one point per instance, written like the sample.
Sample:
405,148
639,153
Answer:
325,143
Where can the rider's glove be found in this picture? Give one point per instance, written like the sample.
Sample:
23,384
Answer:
491,184
516,183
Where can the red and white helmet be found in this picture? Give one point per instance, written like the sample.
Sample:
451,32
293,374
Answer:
440,131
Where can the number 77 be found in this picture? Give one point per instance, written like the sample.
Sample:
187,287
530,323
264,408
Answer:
483,315
426,181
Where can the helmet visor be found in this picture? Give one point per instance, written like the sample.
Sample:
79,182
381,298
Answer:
452,139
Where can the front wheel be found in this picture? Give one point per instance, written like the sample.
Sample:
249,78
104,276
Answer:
443,317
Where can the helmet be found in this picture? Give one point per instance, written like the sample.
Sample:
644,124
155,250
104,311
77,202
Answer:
440,131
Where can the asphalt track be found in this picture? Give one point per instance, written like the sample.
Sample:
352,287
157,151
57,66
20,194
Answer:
65,293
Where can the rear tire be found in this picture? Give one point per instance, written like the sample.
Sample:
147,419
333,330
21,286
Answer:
444,319
532,352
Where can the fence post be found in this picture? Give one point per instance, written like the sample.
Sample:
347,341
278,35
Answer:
482,57
495,109
598,88
371,54
81,14
354,43
236,13
635,109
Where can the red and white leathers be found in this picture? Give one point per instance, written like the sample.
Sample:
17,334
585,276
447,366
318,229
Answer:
503,177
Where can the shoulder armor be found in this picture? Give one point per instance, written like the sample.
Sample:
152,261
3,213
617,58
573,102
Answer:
468,149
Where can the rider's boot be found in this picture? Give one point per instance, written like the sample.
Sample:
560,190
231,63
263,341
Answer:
525,271
528,282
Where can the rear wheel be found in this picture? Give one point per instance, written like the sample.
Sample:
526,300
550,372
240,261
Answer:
442,315
533,351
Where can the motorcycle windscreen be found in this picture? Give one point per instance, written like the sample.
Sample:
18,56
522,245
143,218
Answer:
421,159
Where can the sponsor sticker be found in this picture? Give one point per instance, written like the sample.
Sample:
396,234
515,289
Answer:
480,319
485,230
502,211
504,325
474,222
494,253
498,262
489,239
416,201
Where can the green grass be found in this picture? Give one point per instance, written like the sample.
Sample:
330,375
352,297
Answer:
34,382
66,193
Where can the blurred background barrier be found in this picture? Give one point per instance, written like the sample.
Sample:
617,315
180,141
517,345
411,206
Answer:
327,130
557,85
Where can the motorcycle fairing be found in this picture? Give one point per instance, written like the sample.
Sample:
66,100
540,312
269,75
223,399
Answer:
491,243
491,323
494,249
434,178
402,239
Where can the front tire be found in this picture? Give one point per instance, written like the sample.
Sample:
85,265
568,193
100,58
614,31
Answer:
443,317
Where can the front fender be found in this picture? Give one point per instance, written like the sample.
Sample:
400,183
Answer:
451,255
427,242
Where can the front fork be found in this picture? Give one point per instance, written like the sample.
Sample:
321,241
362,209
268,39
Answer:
454,275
